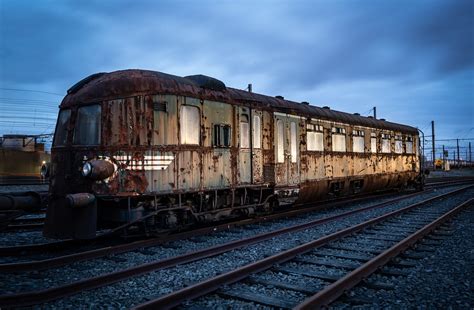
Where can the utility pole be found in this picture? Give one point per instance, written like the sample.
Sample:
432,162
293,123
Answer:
433,144
443,157
457,147
470,154
375,112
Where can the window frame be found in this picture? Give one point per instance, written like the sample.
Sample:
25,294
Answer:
293,142
338,131
280,138
66,128
398,144
76,125
408,139
219,135
181,133
373,137
316,130
256,132
244,141
359,134
386,137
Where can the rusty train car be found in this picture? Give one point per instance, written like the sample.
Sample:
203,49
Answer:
169,151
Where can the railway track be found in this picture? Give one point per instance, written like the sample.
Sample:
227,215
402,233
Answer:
29,298
368,246
434,183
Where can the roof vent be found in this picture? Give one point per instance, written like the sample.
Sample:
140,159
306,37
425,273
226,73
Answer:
83,82
358,114
382,119
206,82
280,97
326,107
370,116
305,102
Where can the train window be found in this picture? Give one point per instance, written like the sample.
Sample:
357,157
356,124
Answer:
314,137
280,141
257,128
398,144
358,144
373,142
190,125
293,147
244,131
386,143
409,145
222,135
338,139
60,137
87,130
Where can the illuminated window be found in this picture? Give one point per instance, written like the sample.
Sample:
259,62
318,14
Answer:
338,139
409,145
190,125
244,132
257,142
398,144
386,143
373,142
280,142
358,141
314,137
293,146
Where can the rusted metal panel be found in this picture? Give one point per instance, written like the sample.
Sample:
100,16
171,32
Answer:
312,166
257,155
165,125
281,150
242,117
163,176
294,151
189,173
127,122
217,171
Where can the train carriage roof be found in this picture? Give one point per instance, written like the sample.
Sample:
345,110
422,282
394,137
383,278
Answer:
126,83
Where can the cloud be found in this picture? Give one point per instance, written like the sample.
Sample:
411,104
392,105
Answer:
313,50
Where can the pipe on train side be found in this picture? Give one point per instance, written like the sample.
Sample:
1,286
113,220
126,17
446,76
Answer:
30,202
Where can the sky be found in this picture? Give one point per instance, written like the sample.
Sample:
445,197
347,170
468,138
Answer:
413,60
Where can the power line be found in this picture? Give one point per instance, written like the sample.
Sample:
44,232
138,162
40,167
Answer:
32,91
446,140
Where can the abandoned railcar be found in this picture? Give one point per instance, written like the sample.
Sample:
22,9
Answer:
174,151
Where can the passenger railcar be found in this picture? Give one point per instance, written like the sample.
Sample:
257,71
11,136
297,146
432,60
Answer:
139,145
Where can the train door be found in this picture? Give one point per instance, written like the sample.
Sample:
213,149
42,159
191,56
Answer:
245,170
257,147
287,161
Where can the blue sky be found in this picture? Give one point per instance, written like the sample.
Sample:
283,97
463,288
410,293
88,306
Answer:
414,60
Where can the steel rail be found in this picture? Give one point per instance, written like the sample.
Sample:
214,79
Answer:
449,182
109,250
23,226
336,289
207,286
36,297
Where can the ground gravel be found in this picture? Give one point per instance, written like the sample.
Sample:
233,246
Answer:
139,289
443,279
